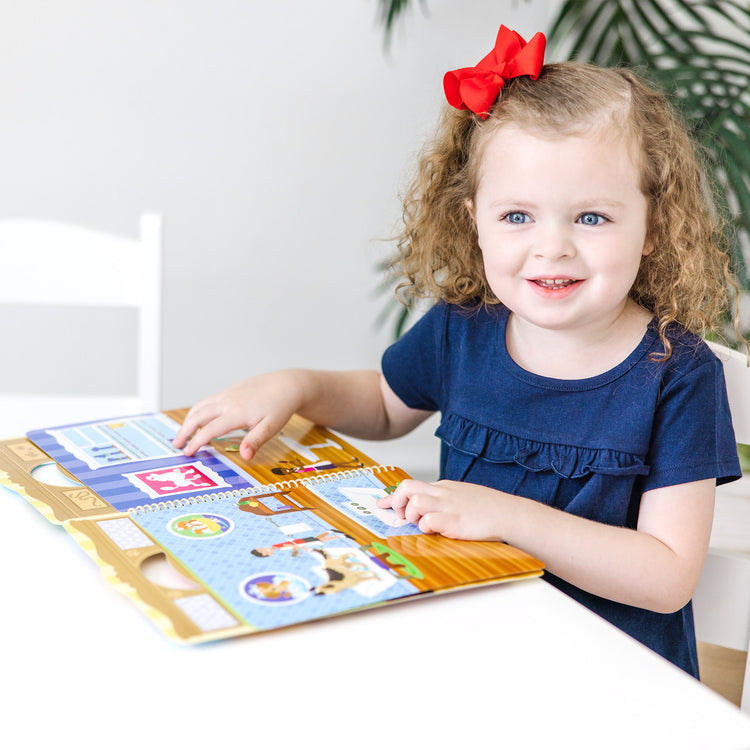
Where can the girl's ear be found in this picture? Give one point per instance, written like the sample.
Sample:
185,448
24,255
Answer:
469,203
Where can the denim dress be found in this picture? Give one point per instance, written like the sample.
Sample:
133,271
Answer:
590,447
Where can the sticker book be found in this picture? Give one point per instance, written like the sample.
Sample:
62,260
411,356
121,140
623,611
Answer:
292,536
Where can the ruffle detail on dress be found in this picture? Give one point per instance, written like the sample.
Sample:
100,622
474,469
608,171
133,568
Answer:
567,461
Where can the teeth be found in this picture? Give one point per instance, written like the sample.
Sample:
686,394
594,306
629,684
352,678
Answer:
554,282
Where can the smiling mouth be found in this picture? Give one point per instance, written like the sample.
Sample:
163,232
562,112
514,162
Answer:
554,283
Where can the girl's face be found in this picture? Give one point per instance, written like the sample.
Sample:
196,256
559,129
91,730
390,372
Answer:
561,223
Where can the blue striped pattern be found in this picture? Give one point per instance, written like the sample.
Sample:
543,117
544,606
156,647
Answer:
108,481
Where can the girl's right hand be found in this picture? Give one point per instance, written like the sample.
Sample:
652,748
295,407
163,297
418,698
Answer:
262,404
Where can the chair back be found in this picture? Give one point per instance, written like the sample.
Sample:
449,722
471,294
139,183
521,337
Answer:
721,602
737,376
52,264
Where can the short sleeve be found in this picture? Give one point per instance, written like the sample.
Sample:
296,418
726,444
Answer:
692,437
412,365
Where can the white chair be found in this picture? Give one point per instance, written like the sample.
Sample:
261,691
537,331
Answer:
722,599
52,264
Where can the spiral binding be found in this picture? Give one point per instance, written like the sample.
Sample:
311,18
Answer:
265,489
323,478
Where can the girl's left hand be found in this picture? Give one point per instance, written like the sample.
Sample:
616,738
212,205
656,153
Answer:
453,509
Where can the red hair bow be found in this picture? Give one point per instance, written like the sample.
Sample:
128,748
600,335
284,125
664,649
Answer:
477,88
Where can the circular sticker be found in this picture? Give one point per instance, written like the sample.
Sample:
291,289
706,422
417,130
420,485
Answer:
275,589
200,526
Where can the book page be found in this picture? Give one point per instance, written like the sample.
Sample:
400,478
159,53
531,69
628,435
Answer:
296,559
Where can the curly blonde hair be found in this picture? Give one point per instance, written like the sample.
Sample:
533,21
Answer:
684,279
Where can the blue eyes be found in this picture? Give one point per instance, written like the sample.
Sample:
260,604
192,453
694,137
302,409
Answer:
588,219
591,220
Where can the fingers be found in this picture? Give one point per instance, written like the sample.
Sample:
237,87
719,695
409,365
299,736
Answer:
199,414
189,429
411,500
255,438
397,500
434,523
452,509
262,404
183,434
204,422
205,434
212,418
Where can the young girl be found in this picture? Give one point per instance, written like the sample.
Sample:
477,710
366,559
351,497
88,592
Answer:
559,221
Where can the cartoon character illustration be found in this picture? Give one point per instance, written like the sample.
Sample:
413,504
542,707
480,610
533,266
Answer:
295,544
199,525
277,589
344,571
295,466
273,589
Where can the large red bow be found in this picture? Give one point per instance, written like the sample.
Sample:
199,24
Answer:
477,88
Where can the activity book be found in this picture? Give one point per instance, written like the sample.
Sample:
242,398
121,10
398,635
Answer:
292,536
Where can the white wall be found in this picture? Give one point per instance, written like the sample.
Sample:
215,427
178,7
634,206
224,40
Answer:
273,136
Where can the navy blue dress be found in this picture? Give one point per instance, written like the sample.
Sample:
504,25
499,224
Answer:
590,447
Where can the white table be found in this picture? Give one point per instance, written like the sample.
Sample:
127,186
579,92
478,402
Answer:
514,666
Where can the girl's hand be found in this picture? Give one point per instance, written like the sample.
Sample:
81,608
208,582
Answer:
262,404
358,403
454,509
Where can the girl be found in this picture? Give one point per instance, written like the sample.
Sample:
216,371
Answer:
559,221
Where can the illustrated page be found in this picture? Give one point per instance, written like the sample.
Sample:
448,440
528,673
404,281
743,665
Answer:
131,462
291,555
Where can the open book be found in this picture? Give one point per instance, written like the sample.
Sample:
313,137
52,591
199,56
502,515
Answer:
293,535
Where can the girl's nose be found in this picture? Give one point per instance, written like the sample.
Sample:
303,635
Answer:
555,245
